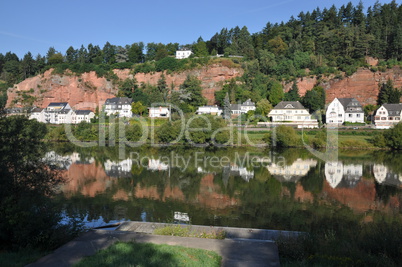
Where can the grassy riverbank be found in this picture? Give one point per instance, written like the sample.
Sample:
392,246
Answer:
147,254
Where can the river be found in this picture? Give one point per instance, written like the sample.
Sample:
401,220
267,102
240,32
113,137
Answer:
238,187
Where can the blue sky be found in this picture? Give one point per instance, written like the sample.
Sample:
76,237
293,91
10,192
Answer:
27,25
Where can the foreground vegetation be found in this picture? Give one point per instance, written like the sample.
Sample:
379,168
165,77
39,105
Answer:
147,254
30,219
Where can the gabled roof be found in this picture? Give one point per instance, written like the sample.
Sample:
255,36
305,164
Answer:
36,110
289,105
118,101
350,105
235,106
248,102
393,109
83,112
64,111
57,104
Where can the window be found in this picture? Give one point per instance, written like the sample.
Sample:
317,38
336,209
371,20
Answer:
358,115
350,115
340,115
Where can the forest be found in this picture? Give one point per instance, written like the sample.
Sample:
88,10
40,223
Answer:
319,42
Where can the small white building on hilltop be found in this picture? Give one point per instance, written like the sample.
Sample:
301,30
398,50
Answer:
211,110
159,112
342,110
183,53
119,106
291,113
387,116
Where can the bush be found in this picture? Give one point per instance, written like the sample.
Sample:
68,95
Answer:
285,137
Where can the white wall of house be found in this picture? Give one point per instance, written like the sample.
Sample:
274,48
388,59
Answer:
39,116
291,115
118,110
383,120
335,113
213,110
159,112
181,54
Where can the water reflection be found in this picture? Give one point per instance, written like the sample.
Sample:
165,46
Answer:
338,174
293,172
235,194
383,175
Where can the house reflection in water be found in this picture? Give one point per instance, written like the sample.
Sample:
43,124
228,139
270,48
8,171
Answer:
293,172
118,169
339,175
157,165
384,176
64,162
235,170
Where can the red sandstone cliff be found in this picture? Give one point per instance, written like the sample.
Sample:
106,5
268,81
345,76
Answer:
88,88
362,85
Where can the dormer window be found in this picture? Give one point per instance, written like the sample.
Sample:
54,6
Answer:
289,106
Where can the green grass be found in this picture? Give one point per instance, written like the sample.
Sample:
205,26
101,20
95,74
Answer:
147,254
20,258
184,231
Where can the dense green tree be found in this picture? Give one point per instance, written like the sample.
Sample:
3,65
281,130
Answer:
163,88
275,94
71,55
314,99
135,53
27,185
27,65
137,108
109,52
293,93
192,87
226,107
388,94
50,52
263,107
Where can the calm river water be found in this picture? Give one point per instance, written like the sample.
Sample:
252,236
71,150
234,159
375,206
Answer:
245,187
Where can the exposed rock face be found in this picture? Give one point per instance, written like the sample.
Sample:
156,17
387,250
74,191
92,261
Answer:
212,78
362,85
76,90
88,88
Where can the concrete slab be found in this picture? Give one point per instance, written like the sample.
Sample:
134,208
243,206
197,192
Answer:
234,252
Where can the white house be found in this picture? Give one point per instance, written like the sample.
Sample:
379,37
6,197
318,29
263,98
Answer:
387,116
183,53
37,114
212,110
159,112
247,106
342,110
56,110
292,113
243,108
119,106
82,115
65,116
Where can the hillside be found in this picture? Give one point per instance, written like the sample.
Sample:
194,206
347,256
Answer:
88,87
43,89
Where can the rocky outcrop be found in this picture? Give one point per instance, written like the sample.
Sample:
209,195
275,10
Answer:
89,88
212,78
362,85
48,87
